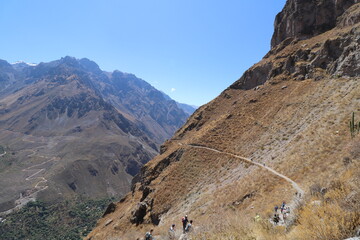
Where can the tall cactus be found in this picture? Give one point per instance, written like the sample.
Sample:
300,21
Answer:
354,127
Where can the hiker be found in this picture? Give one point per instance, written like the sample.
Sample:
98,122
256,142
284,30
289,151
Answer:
148,235
287,210
189,226
185,221
282,207
172,232
276,218
276,208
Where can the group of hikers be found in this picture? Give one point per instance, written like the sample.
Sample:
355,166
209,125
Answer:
188,224
284,211
187,228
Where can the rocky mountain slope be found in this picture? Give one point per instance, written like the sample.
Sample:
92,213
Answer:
289,113
69,129
189,109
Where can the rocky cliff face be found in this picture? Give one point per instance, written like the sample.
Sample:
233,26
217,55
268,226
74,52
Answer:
337,56
290,111
303,19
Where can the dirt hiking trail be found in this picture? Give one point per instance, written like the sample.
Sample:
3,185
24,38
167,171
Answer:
296,201
299,190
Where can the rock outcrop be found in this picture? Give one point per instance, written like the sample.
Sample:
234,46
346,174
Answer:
336,56
303,19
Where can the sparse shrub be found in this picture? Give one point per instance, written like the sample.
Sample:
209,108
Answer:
346,161
315,189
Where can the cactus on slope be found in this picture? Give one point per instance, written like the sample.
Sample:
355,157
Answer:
354,127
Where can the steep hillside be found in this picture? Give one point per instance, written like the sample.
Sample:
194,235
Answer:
70,129
279,133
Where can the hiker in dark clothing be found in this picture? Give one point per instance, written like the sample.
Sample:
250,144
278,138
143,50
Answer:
185,221
276,208
276,218
282,207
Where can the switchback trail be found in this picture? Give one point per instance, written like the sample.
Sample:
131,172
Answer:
39,186
300,191
31,168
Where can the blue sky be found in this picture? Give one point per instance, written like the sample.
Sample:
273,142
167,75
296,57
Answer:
190,49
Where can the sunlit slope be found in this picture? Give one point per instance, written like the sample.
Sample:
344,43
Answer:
290,113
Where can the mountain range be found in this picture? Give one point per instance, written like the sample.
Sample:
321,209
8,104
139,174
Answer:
278,136
68,129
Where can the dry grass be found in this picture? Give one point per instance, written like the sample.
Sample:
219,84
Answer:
331,215
266,231
335,214
328,221
354,148
332,212
227,227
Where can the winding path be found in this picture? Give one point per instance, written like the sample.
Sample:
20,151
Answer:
300,191
32,176
39,186
296,201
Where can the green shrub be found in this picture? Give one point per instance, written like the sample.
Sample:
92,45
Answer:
69,220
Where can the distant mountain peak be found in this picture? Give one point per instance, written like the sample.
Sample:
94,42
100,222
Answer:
89,65
24,63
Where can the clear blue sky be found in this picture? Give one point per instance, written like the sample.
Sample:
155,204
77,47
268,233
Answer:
190,49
